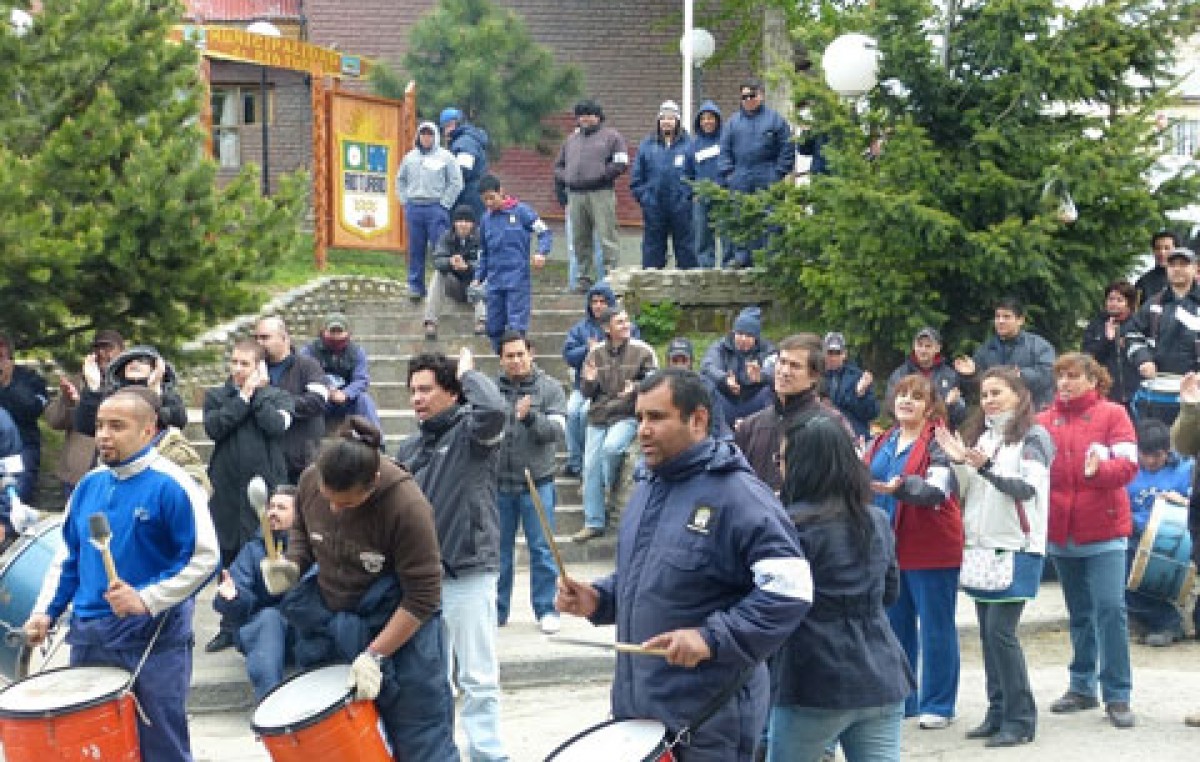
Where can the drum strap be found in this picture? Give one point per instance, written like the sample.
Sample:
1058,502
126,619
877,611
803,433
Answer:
685,733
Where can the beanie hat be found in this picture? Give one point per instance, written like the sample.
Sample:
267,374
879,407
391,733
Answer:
669,108
749,322
449,115
463,212
588,107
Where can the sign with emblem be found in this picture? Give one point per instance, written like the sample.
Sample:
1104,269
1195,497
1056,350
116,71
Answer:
366,157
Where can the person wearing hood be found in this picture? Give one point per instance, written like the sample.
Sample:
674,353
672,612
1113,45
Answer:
346,373
706,150
588,165
926,360
428,184
141,365
738,366
660,185
469,145
708,568
504,262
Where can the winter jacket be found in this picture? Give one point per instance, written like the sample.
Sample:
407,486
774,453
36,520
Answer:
926,517
756,150
758,435
1094,508
723,357
1020,472
706,146
661,172
703,544
468,248
506,233
844,654
25,398
943,378
591,160
1166,332
252,596
469,145
175,447
1150,284
1111,353
632,361
248,440
1028,352
1185,437
390,536
576,347
429,177
1175,476
529,443
454,460
840,386
79,449
346,370
304,381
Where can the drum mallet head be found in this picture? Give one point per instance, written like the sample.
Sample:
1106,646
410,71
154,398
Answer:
100,535
256,493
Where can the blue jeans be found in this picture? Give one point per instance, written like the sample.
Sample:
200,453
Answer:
928,597
1155,614
469,613
363,404
801,734
517,508
572,265
602,456
1094,590
426,224
31,461
577,410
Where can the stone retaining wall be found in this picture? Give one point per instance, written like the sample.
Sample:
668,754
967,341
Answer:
709,299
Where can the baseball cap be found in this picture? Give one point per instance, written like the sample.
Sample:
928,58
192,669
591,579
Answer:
108,336
680,347
1187,254
336,320
835,342
929,332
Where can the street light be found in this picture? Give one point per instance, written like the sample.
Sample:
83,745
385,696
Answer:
266,29
851,64
699,46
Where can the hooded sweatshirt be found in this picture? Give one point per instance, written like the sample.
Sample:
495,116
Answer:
706,146
429,177
576,347
469,145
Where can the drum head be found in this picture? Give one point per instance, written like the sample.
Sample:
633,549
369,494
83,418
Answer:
61,691
303,700
1164,383
624,740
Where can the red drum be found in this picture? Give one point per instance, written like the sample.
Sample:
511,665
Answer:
617,741
313,716
70,714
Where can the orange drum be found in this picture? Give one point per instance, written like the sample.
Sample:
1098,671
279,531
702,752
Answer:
70,714
313,716
617,741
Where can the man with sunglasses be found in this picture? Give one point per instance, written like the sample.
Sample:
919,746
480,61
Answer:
756,152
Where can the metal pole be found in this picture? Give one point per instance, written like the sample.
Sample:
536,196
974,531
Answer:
262,116
688,21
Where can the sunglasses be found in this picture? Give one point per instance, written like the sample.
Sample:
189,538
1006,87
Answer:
749,96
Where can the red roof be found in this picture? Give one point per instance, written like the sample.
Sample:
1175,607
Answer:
242,10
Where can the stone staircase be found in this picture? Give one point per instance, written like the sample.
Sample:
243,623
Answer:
390,328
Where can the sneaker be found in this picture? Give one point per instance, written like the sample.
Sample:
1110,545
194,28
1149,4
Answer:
222,640
550,624
587,533
481,328
1120,714
430,331
415,295
1073,702
1159,639
934,721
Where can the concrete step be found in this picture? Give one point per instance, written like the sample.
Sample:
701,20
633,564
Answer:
542,299
391,322
600,549
545,342
394,368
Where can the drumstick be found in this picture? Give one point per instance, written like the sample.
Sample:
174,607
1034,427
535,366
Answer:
256,493
101,535
625,648
544,519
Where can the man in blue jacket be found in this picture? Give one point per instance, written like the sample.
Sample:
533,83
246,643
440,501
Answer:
706,150
659,183
1013,346
23,395
740,369
708,568
469,145
756,153
849,387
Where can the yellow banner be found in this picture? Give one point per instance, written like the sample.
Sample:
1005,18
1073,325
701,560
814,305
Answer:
277,52
365,155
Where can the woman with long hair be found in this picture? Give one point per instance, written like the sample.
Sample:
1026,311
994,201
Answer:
1104,339
1090,522
1002,462
842,675
914,485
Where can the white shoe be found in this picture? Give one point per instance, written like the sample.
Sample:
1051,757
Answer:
934,721
550,624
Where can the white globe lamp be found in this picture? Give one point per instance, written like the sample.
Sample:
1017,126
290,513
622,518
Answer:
851,64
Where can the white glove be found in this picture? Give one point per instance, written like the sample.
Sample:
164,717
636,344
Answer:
365,677
21,515
278,575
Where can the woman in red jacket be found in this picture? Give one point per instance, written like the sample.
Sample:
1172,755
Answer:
1089,526
914,486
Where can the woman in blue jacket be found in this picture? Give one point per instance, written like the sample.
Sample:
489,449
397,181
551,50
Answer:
842,675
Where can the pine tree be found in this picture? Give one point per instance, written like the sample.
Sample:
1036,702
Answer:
110,216
480,58
1031,103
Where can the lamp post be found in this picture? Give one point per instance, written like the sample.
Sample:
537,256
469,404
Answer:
697,45
266,29
851,65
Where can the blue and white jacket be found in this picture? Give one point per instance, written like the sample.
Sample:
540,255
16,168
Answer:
506,235
163,541
661,173
706,146
1175,476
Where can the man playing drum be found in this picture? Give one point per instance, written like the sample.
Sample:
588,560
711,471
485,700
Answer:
708,568
164,548
1185,436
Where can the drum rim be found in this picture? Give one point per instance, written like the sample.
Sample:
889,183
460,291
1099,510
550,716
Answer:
653,755
12,714
281,730
26,539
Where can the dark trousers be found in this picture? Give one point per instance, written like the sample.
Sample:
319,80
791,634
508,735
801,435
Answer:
426,224
663,223
507,309
1010,700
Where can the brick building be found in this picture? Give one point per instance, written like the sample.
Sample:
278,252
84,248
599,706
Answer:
627,49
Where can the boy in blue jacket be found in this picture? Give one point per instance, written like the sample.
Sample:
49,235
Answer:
504,262
1162,473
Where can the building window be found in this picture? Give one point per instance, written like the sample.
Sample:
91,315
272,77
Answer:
1184,137
234,108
